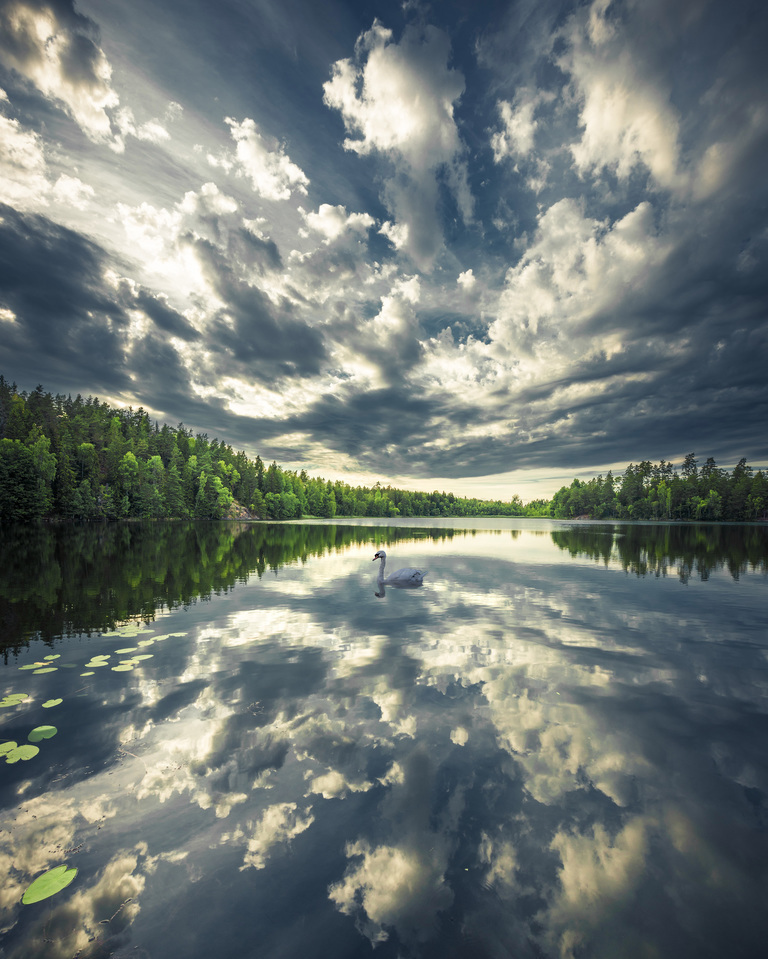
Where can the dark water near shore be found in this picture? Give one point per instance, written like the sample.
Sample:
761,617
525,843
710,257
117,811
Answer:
557,747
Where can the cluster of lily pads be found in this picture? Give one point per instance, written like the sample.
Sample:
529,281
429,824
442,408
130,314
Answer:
58,878
11,751
48,663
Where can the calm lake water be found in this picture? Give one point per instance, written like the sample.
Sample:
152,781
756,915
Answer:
557,747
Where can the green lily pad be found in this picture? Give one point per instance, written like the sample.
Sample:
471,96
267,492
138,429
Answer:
52,702
13,699
128,649
7,747
31,666
49,884
42,732
45,669
53,656
146,642
91,673
125,668
20,752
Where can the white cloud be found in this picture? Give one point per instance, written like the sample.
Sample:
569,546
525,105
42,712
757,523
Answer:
459,736
153,131
334,785
575,268
209,200
23,179
398,100
516,138
264,161
394,886
625,109
599,875
467,280
72,191
153,231
65,64
331,222
278,825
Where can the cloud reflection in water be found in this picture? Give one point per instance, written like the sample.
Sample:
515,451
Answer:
539,755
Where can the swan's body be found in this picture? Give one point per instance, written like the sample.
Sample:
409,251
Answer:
408,576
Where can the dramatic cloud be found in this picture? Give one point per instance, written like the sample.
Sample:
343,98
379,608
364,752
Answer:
416,246
264,161
23,179
399,99
57,50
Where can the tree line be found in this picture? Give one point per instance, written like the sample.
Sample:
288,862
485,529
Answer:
657,491
82,459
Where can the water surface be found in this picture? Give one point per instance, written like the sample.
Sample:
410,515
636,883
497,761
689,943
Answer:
555,747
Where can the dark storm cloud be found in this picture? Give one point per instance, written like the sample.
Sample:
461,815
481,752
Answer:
256,251
165,317
384,429
164,382
71,331
618,305
250,333
19,40
65,316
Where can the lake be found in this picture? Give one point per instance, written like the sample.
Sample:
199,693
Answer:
556,747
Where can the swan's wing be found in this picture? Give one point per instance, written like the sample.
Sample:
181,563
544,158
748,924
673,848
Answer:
406,575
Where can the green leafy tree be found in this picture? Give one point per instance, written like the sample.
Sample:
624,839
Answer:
44,469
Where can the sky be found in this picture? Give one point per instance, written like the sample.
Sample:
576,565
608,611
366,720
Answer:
475,246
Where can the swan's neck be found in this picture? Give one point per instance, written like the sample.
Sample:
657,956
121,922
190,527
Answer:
382,562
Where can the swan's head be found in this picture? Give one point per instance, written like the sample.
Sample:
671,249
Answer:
379,555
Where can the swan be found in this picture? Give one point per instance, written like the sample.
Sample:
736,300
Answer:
408,576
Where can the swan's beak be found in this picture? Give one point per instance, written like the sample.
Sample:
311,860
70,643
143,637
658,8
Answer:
375,558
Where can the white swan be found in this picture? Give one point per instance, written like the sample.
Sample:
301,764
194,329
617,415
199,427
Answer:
408,576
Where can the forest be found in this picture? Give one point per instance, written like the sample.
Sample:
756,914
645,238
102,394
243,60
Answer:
656,491
80,459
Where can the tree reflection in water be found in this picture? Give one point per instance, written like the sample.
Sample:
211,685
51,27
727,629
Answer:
534,757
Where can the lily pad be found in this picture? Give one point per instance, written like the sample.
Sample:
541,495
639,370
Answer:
20,752
13,699
31,666
128,649
42,732
52,702
45,669
49,884
91,673
53,656
125,668
7,747
146,642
